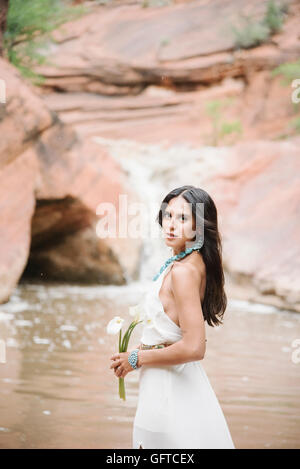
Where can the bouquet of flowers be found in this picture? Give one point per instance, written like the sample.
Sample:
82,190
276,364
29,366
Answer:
115,326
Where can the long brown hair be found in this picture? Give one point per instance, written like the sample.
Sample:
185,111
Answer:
215,300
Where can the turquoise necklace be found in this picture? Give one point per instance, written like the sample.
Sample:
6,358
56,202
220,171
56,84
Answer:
182,254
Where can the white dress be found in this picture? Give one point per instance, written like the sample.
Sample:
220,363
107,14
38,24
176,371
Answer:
177,407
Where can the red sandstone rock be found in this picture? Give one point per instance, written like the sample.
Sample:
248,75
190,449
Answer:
51,183
191,42
146,74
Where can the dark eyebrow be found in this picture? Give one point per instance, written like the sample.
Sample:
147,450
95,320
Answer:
182,213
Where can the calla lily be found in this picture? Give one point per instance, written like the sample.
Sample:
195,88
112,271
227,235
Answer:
137,312
150,313
114,326
149,320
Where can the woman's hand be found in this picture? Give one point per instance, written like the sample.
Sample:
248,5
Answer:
120,364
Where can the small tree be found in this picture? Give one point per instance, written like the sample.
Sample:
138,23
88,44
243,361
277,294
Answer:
220,127
28,25
254,32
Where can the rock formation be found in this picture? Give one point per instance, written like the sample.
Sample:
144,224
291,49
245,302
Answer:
51,183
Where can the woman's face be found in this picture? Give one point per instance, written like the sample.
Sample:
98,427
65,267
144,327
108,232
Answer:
178,221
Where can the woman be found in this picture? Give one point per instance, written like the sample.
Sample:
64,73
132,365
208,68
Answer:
177,407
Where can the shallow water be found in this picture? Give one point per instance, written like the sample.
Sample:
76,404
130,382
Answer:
57,390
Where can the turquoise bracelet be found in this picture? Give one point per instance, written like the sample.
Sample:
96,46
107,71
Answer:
133,358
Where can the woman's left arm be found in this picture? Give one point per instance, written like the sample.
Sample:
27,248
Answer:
186,283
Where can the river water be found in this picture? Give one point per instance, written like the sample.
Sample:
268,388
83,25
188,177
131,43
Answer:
57,390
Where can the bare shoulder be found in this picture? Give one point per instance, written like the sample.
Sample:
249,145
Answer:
186,275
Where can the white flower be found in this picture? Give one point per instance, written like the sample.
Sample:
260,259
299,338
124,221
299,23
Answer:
149,318
137,311
149,322
114,326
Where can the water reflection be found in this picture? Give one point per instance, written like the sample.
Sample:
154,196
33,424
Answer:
57,391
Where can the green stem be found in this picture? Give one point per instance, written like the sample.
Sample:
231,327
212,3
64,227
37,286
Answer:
127,336
120,340
122,389
123,345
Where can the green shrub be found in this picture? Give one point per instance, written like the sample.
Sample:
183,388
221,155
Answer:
295,124
221,128
29,23
289,71
156,3
274,15
253,32
231,127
